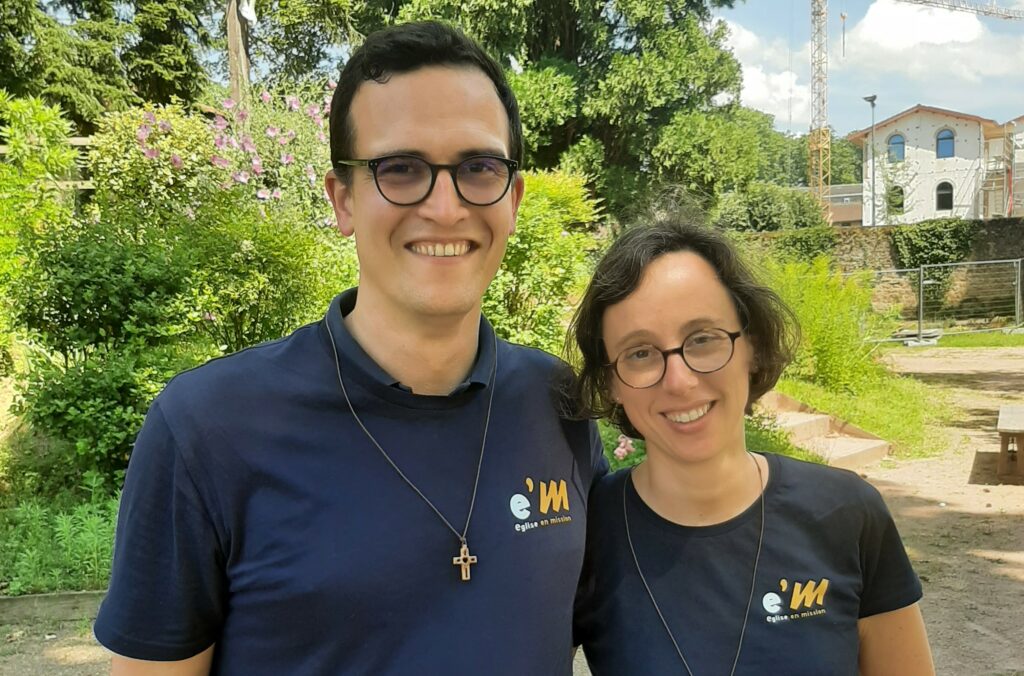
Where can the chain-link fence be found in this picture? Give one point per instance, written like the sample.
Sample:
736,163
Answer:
932,300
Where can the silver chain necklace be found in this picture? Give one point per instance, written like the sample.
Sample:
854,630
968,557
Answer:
464,560
753,576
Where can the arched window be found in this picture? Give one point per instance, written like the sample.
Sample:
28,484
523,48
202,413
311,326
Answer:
894,200
944,143
897,148
944,196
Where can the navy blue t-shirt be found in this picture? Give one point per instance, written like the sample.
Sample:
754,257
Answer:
830,556
258,516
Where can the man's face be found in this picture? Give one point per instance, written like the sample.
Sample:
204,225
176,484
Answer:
443,115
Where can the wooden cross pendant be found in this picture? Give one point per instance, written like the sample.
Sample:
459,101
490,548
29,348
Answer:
465,560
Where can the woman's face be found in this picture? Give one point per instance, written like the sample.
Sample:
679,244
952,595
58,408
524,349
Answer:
688,416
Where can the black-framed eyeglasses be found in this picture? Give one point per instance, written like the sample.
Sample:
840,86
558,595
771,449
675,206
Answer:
405,180
703,351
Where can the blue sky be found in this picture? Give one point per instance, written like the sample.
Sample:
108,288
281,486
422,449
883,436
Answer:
905,53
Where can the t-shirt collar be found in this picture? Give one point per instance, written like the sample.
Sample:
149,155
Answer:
353,354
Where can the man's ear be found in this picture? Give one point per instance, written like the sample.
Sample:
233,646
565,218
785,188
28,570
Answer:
518,189
339,192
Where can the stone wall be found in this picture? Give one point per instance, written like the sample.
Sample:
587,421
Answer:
868,248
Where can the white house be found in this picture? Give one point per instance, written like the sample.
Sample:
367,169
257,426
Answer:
934,163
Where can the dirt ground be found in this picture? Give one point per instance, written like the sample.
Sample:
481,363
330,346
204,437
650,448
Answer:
963,528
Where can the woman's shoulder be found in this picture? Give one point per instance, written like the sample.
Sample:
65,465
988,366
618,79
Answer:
820,487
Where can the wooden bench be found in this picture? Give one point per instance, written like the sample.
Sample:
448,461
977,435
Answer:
1011,428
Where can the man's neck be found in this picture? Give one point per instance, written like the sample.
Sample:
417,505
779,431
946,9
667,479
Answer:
429,357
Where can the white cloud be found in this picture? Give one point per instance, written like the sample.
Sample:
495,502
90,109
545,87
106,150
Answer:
928,45
774,93
771,76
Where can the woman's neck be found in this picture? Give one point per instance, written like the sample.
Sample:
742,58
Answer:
701,493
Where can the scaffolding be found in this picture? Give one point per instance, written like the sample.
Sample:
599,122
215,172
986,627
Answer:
1002,184
819,141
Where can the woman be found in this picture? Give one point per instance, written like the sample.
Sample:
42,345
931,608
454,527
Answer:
707,558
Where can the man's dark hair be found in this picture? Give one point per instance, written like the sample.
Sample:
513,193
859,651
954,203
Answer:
405,48
768,322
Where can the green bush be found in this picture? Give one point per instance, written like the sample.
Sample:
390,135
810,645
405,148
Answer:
45,549
91,286
261,273
96,406
546,263
764,207
934,242
834,313
37,156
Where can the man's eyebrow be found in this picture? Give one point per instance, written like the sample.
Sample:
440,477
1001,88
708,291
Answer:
461,155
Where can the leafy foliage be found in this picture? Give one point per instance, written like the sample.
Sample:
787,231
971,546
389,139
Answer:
764,207
832,311
546,263
43,548
37,155
934,242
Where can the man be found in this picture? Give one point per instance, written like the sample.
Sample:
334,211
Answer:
391,490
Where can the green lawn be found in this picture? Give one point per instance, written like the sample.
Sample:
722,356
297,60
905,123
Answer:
903,411
987,339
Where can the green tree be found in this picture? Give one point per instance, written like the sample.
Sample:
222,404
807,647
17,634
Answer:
163,61
72,64
607,85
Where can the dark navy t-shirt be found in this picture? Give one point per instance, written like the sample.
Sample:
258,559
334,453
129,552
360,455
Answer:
830,556
256,515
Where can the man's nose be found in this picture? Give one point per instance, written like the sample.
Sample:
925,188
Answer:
443,205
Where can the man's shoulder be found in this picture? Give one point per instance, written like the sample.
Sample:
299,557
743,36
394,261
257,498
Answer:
257,371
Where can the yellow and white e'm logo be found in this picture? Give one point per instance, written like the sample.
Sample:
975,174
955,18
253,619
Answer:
554,497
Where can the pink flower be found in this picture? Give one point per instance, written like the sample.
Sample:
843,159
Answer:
624,448
263,194
313,111
257,166
331,84
149,117
310,174
219,123
219,141
228,104
293,102
241,176
164,126
143,133
176,161
242,115
233,142
321,137
287,138
151,153
276,194
265,97
247,145
219,161
287,159
272,132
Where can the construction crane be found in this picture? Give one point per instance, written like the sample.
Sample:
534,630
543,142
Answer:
819,139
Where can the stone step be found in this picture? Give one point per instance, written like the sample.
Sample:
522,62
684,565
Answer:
802,425
846,452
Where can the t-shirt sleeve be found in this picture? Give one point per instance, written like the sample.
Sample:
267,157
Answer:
889,579
167,587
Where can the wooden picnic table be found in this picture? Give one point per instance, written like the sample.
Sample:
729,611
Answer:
1011,429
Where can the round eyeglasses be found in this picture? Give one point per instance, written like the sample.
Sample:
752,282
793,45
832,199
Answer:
703,351
405,180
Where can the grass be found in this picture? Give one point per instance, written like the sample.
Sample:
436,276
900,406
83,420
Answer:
986,339
903,411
